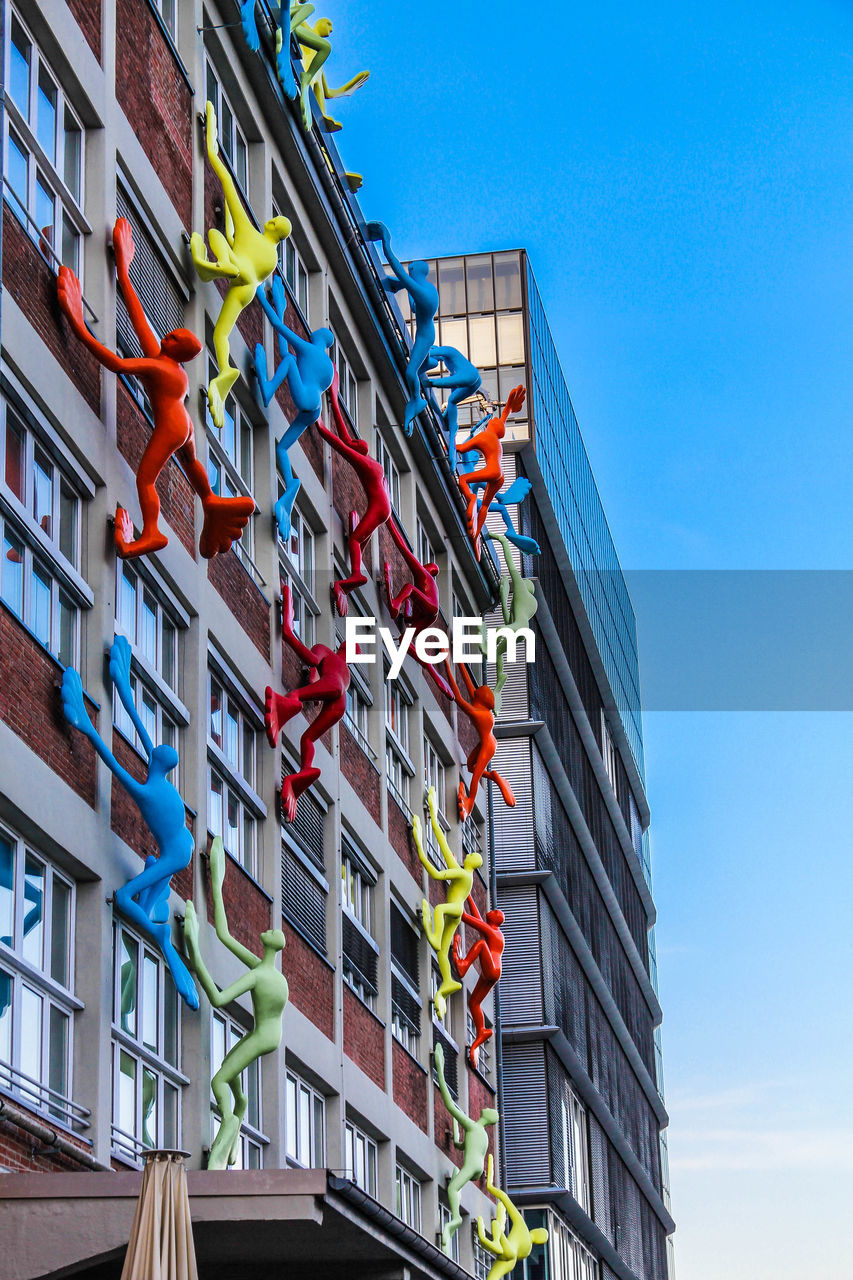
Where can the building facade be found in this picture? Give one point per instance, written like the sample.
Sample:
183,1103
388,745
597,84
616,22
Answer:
579,1009
99,1060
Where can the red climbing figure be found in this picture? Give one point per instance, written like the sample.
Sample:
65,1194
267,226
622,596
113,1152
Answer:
490,475
416,605
328,681
375,488
481,712
488,951
161,372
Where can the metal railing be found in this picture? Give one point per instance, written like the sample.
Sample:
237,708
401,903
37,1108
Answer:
43,1097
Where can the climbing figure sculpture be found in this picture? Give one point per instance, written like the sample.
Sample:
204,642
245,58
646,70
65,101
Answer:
328,681
267,989
516,616
441,924
144,900
375,489
423,297
244,257
160,369
315,47
507,1250
309,372
480,710
500,504
463,379
473,1142
487,950
490,476
416,604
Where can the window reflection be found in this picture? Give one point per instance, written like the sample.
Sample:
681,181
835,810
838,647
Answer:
507,282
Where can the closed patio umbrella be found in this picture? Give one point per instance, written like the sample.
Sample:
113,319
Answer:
161,1239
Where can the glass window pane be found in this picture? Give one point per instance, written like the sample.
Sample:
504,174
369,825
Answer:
170,1116
170,1020
253,1093
216,713
226,130
18,176
319,1132
67,630
45,206
148,628
290,264
33,926
451,287
128,960
43,490
19,69
482,332
127,603
127,1093
304,1126
510,339
303,291
5,1016
15,457
7,891
60,931
69,250
248,841
212,89
149,1108
232,738
454,333
231,835
478,271
291,1123
507,282
169,643
30,1033
71,171
149,1002
46,115
67,522
40,605
57,1059
214,805
248,764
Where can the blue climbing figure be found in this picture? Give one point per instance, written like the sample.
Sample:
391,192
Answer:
144,900
463,378
423,297
308,371
249,24
514,495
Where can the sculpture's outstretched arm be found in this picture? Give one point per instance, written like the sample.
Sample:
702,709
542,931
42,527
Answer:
77,716
233,204
216,997
70,300
446,850
120,655
124,249
299,13
456,1111
346,89
431,870
469,683
340,422
220,919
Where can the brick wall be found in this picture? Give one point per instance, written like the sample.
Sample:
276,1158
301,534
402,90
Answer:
156,100
244,598
311,982
247,906
88,15
30,704
127,821
361,772
400,835
348,496
294,675
410,1085
177,500
22,1152
480,895
32,284
364,1038
443,1128
467,735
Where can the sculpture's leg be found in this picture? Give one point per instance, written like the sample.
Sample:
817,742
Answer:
269,386
218,389
224,518
158,451
503,786
283,509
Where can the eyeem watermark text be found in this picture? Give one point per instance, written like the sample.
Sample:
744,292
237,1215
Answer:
432,645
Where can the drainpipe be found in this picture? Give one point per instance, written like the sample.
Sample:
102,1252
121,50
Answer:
50,1137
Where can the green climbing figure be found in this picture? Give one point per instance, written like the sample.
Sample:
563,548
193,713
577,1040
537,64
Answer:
507,1250
440,926
517,616
268,991
474,1145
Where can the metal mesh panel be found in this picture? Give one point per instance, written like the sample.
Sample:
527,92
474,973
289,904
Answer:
622,1213
161,300
521,970
303,899
404,945
308,827
526,1115
359,953
514,846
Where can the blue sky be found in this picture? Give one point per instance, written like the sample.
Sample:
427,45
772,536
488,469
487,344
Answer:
681,175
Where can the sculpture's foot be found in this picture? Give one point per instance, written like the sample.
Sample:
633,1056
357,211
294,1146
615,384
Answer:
355,181
126,547
217,394
278,710
440,1006
182,979
249,25
339,595
332,126
504,788
260,367
224,521
220,1151
283,509
527,546
284,71
413,408
465,805
290,794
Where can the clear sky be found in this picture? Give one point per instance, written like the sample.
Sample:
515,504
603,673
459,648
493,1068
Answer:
681,174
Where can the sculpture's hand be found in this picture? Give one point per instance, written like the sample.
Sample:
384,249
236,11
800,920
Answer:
123,246
217,867
438,1055
211,130
191,931
515,399
378,231
70,296
417,832
120,662
72,702
287,607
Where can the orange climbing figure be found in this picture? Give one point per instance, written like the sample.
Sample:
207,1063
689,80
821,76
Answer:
161,371
375,488
488,951
481,712
328,681
490,476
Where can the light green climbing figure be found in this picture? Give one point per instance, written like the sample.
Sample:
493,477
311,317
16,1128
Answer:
315,47
268,991
517,616
507,1249
474,1144
440,925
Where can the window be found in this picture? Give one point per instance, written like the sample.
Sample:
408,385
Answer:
224,1034
36,980
305,1123
229,459
153,632
405,995
444,1216
293,269
168,10
571,1142
347,384
304,886
232,808
482,1260
473,837
426,552
297,570
484,1051
146,1049
360,1158
408,1197
398,766
435,775
39,580
442,1033
390,471
355,716
360,952
232,141
44,151
154,282
608,753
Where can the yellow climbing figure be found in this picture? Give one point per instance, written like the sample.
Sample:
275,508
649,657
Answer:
507,1249
440,925
244,256
315,47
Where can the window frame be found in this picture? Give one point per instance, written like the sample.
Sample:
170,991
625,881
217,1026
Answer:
359,907
347,381
299,1084
352,1136
229,774
398,762
390,470
227,145
407,1188
293,572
